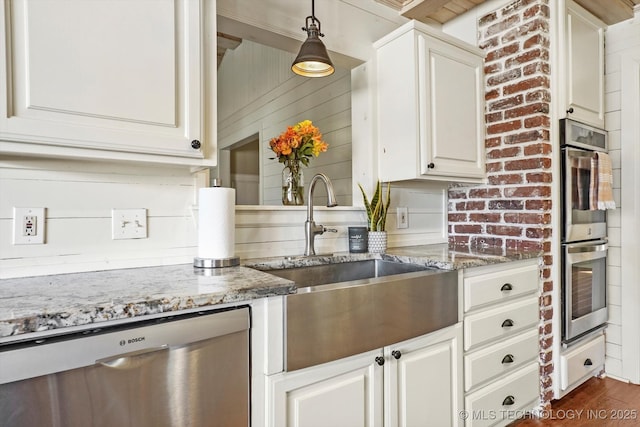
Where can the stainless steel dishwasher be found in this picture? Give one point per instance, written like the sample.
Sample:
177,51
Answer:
182,370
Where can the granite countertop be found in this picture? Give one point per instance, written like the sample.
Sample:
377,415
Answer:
437,256
42,303
46,303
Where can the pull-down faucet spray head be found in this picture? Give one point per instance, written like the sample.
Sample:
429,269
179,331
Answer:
331,196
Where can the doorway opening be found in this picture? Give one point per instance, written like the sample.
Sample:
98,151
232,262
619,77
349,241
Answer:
244,169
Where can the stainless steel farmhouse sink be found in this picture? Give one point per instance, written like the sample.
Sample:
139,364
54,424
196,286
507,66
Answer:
347,308
339,273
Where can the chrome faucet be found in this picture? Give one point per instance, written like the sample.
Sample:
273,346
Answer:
310,227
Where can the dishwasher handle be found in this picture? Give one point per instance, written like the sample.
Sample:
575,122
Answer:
132,359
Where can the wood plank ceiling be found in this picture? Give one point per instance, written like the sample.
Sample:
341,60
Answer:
609,11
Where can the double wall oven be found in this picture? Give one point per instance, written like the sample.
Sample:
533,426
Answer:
584,232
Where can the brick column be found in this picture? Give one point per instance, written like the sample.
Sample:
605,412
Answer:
513,210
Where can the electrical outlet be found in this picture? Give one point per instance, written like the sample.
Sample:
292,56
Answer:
402,217
128,224
28,226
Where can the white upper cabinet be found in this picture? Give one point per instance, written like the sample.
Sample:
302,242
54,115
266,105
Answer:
430,106
583,57
108,79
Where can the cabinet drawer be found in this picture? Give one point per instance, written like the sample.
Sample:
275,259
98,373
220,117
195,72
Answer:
581,361
500,400
499,286
499,359
500,322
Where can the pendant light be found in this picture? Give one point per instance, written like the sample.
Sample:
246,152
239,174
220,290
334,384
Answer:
313,59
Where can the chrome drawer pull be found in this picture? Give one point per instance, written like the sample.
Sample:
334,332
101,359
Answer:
508,401
507,323
506,287
507,359
588,362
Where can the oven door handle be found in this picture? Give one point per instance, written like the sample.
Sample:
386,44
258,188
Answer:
585,248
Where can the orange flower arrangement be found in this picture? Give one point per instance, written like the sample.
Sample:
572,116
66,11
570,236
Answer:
298,143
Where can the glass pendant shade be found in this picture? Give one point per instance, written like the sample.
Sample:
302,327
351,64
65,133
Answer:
313,59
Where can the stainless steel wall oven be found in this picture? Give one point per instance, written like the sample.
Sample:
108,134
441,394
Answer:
584,288
584,232
579,145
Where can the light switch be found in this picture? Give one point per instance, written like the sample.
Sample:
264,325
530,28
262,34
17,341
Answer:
128,224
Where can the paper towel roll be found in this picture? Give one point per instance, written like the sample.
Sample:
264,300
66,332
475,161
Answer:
216,222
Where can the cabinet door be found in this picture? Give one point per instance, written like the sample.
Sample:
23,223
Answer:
424,381
347,392
452,110
430,106
584,60
116,76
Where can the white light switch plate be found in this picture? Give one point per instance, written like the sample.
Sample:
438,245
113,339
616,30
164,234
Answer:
128,224
402,217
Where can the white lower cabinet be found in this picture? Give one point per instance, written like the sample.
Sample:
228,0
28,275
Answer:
413,383
581,361
502,401
501,342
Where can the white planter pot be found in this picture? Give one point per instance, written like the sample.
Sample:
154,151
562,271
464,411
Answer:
377,242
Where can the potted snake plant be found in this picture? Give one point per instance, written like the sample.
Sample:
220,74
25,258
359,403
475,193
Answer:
376,209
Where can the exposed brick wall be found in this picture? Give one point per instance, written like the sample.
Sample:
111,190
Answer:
513,210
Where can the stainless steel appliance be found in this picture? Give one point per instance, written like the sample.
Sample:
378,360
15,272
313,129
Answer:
584,288
584,233
180,370
579,144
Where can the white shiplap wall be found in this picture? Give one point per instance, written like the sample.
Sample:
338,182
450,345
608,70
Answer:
78,197
258,94
622,121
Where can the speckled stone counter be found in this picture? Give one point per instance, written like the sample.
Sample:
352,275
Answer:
443,257
36,304
46,303
436,256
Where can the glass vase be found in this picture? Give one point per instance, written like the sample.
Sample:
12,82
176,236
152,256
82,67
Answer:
292,184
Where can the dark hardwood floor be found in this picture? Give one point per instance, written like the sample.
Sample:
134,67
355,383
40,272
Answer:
600,402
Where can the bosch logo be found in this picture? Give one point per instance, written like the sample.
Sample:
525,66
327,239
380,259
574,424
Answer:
131,341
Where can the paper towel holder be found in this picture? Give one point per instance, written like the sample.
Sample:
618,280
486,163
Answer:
213,262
